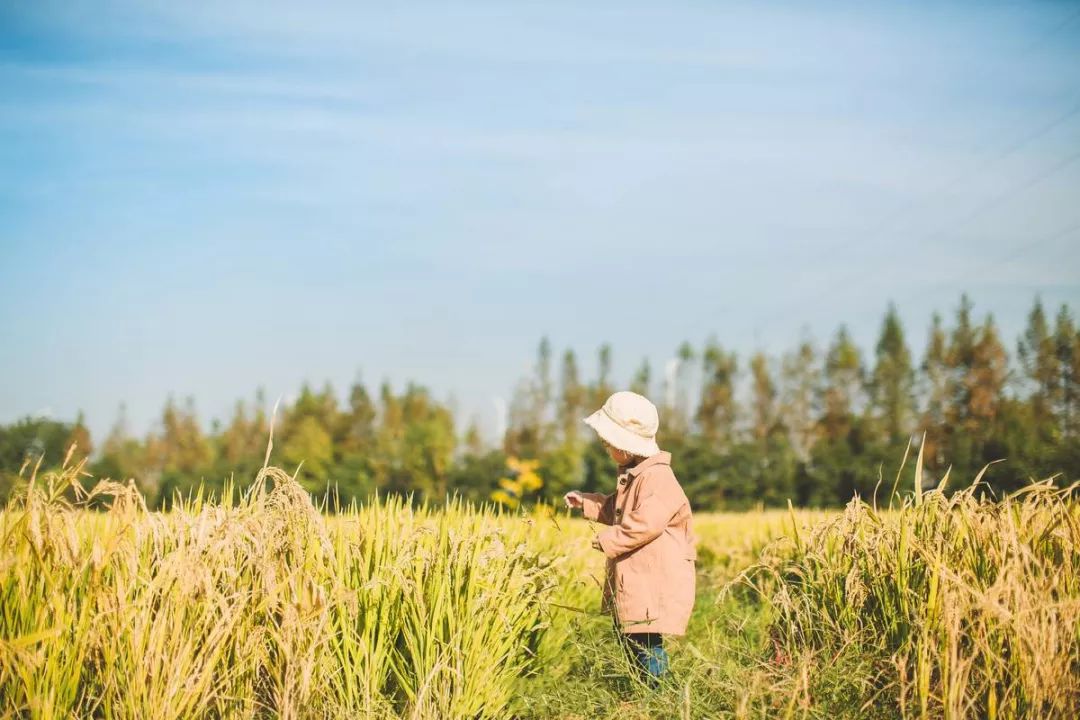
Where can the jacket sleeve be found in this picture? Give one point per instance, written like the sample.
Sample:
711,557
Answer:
660,499
596,506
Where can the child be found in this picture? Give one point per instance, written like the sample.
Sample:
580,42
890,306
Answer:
650,546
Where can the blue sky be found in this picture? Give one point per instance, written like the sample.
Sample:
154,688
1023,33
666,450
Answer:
203,198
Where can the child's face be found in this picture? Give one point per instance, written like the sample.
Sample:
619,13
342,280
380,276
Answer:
620,457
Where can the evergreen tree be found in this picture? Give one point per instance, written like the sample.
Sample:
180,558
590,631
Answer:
121,455
415,444
960,357
678,415
716,410
773,465
179,456
602,388
572,397
522,438
359,435
543,400
241,444
354,432
935,392
79,439
801,377
596,468
642,379
815,433
529,434
1040,364
430,442
986,378
1067,344
472,443
843,385
309,448
837,469
181,447
763,398
389,442
235,441
893,380
322,407
977,375
562,467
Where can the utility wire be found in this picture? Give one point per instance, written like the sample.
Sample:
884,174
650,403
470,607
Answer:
983,208
1008,150
1016,252
1066,21
1020,250
949,185
1028,246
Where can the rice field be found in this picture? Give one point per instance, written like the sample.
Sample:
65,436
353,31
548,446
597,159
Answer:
256,605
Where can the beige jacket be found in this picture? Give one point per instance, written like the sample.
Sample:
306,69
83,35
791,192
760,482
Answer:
650,548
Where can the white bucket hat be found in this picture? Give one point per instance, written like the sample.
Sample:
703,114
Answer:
629,422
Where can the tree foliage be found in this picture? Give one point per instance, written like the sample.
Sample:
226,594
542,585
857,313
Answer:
813,426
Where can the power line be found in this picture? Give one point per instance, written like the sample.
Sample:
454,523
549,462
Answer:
1016,190
1019,250
949,185
1027,247
985,207
960,178
1065,22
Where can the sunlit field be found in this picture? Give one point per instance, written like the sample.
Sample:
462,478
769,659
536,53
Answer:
256,605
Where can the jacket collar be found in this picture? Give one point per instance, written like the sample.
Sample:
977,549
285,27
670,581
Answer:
660,458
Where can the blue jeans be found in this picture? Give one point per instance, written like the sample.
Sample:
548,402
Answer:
646,652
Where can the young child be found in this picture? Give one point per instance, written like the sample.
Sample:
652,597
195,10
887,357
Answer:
650,544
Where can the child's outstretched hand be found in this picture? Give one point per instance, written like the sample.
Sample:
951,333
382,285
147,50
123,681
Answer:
573,499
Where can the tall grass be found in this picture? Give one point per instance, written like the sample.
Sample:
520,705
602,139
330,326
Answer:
258,606
959,606
255,605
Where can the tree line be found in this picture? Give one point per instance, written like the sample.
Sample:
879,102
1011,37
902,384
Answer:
814,425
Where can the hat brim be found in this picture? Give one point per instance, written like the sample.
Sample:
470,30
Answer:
621,438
